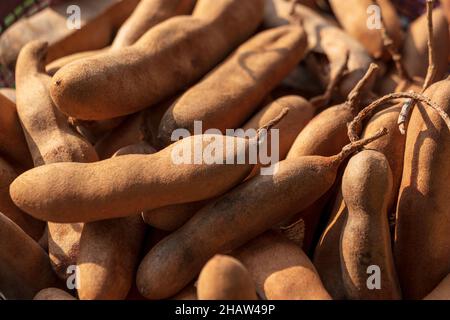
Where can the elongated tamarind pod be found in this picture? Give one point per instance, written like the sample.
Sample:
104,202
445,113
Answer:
24,267
229,95
225,278
78,192
423,223
415,51
280,269
109,250
50,139
366,240
235,218
130,79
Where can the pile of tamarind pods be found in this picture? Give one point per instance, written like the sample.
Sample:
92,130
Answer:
93,205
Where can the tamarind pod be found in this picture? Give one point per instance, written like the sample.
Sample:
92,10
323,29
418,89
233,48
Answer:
280,269
356,24
225,278
392,82
300,113
237,86
49,135
127,80
24,266
147,14
327,255
235,218
324,37
99,20
28,224
86,192
9,93
53,294
366,241
441,292
415,49
423,223
50,139
57,64
107,266
13,146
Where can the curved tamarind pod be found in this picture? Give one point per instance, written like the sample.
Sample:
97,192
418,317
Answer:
81,192
280,269
423,223
415,50
130,79
366,241
50,139
24,267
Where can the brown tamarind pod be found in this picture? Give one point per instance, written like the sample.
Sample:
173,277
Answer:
53,294
280,269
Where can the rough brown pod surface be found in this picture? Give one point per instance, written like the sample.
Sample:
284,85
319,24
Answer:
50,139
147,14
280,269
415,51
228,95
235,218
422,243
225,278
365,240
106,86
22,275
356,23
112,189
110,249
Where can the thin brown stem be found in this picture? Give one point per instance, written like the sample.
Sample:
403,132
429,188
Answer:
431,72
321,101
355,127
389,44
356,145
272,123
356,95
